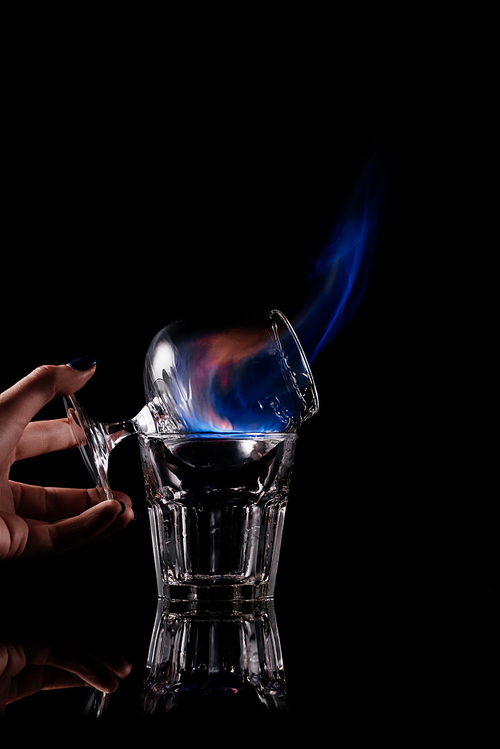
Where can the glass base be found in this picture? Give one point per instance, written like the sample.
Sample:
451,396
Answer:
90,437
217,593
96,440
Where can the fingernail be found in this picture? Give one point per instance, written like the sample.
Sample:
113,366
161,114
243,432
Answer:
123,508
83,363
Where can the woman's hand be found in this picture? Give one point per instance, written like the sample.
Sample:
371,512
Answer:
35,520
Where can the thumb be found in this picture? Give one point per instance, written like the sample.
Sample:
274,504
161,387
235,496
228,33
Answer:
23,400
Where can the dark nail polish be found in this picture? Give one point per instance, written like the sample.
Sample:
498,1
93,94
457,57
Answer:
123,508
85,362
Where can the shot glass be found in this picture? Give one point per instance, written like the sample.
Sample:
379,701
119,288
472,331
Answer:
216,508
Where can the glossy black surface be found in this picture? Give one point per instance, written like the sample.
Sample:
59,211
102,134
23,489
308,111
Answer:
369,660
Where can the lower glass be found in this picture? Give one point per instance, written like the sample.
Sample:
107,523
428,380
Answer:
217,508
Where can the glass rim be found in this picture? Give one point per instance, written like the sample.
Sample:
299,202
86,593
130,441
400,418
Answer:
302,354
218,435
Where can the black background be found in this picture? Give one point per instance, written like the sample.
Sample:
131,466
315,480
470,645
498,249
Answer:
128,205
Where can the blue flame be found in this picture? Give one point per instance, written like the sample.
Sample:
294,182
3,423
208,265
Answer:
340,274
251,374
235,381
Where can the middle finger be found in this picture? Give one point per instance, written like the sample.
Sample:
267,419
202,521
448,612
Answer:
41,437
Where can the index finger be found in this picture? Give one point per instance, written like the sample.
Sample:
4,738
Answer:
23,400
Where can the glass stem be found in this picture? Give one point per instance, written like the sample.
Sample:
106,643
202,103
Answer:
117,431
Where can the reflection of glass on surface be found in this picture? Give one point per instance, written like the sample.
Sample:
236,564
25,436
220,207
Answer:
215,660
